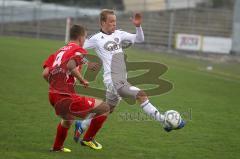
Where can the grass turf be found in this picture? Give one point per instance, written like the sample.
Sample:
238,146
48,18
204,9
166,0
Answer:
208,100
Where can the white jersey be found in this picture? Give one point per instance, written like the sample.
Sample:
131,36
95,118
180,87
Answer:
109,49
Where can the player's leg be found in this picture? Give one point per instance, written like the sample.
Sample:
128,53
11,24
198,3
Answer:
148,107
62,131
112,100
60,102
83,106
129,91
81,125
101,111
153,112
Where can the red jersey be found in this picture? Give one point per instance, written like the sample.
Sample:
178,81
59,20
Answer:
60,79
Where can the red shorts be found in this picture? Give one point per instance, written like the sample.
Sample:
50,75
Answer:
70,106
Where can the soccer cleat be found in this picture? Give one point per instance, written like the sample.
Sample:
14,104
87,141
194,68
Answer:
78,130
92,144
61,150
180,126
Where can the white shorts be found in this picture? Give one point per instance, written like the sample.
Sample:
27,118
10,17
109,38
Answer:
122,88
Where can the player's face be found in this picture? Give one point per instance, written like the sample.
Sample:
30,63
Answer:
110,24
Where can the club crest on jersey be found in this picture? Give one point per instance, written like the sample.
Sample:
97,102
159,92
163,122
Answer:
116,39
111,46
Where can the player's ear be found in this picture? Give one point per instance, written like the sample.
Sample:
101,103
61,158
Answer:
103,23
81,40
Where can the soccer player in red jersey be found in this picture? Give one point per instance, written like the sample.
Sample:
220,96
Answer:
61,70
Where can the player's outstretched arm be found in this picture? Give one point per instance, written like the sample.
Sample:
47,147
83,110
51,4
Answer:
72,67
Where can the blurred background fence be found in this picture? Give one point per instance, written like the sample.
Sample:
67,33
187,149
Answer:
163,19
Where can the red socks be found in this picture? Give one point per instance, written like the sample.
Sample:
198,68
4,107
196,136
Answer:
60,137
95,125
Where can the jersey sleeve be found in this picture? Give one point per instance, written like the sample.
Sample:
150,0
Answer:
89,43
134,38
49,61
80,57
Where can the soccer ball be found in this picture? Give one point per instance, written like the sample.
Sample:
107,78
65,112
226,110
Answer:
172,119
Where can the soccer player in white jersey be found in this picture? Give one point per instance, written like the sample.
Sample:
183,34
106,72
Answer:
107,44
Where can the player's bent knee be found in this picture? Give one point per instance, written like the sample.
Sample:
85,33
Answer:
112,108
98,102
101,107
142,96
66,123
105,108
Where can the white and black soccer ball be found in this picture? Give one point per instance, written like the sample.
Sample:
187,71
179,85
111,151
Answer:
172,119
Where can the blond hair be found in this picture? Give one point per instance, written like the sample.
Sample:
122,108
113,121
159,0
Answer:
104,13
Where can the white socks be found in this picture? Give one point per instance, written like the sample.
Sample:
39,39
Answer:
149,109
86,123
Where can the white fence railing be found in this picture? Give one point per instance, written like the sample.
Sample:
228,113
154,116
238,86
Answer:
160,27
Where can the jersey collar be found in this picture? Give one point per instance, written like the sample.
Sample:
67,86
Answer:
104,32
82,50
72,43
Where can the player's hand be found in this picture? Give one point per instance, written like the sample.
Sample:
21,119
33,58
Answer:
93,66
137,19
85,83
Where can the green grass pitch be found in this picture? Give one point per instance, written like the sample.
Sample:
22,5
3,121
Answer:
209,101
